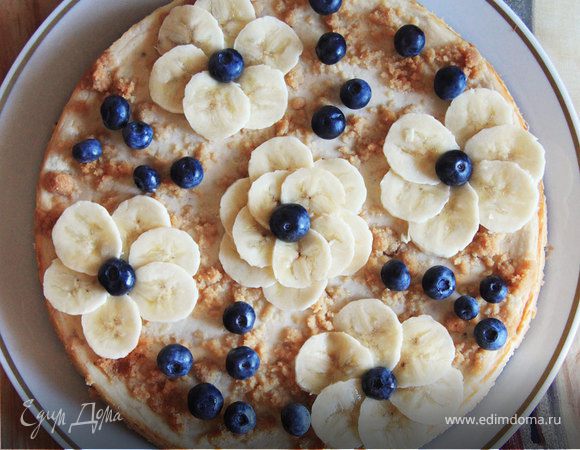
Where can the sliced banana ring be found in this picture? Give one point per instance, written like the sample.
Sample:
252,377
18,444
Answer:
351,179
264,196
233,200
374,325
330,357
232,15
427,352
254,243
453,228
72,292
84,236
291,299
363,239
279,153
269,41
112,331
413,145
240,271
300,264
508,196
340,239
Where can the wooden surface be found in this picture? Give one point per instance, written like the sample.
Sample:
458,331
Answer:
20,18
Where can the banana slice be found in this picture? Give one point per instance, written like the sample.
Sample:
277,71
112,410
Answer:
363,239
351,179
84,236
279,153
432,403
475,110
508,196
300,264
233,200
215,110
374,325
269,41
189,24
138,215
414,143
72,292
340,239
240,271
319,191
453,228
412,202
335,414
232,15
268,94
113,330
426,354
164,292
171,73
168,245
330,357
509,143
291,299
264,196
254,243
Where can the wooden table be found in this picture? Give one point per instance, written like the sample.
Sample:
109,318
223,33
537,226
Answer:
20,18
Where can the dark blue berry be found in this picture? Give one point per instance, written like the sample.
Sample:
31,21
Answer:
240,418
87,151
290,222
242,362
331,48
328,122
325,7
379,383
466,307
175,360
295,419
438,282
116,276
490,334
138,135
395,275
146,178
205,401
115,112
454,168
187,172
356,93
493,289
450,82
239,318
409,40
226,65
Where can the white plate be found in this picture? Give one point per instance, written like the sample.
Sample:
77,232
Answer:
37,88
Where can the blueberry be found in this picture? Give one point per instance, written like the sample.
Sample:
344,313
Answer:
226,65
331,48
493,289
240,418
138,135
295,419
450,82
325,7
205,401
409,40
187,172
355,93
454,168
290,222
239,318
466,307
328,122
395,275
490,334
242,362
116,276
438,282
87,151
115,111
379,383
175,360
146,178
